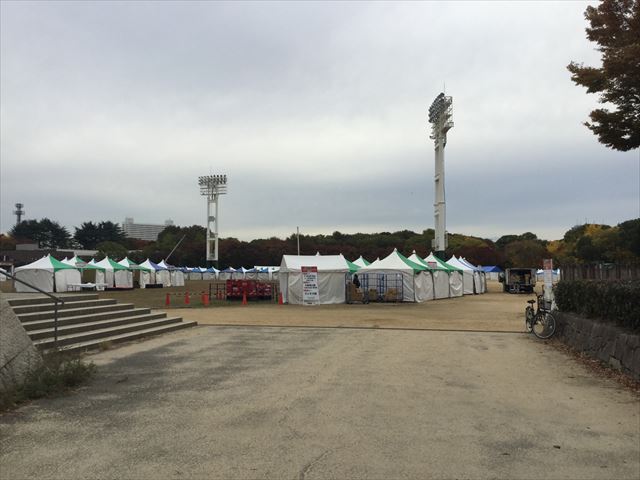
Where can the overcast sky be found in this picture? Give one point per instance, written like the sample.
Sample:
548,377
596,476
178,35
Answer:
317,112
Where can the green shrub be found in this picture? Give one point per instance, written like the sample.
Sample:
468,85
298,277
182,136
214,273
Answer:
617,302
57,372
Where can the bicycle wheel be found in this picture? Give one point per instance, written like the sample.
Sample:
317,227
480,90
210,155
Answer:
528,319
544,325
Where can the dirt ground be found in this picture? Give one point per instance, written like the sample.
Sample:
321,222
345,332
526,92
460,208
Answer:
494,311
491,312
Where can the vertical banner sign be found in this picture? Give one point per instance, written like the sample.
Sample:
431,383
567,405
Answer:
310,290
547,267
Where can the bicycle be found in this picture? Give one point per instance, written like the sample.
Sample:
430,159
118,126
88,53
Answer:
541,322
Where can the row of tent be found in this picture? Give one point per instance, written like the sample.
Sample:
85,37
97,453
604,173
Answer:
51,275
419,279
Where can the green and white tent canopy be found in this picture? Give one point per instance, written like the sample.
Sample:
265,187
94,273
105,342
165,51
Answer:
455,274
114,274
417,282
361,262
77,262
441,278
47,274
125,262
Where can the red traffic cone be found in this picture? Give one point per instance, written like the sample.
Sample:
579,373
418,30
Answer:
205,299
187,300
244,298
280,302
167,301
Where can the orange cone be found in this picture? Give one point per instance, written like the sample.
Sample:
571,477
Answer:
187,300
244,298
205,299
167,301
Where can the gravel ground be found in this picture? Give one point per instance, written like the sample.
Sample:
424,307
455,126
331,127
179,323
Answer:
272,402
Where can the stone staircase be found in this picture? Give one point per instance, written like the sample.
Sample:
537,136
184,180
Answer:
86,322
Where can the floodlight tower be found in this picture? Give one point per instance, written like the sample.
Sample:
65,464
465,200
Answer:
212,186
440,114
18,212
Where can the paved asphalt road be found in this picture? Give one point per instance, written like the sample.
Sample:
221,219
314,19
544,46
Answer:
264,402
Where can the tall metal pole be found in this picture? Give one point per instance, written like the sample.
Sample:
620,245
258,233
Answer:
440,114
298,239
439,206
212,187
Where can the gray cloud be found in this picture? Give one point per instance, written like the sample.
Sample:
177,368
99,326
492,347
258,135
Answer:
316,111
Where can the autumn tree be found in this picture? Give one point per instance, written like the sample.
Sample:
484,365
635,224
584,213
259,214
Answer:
615,28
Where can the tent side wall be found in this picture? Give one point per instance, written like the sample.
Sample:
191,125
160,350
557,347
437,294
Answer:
331,285
63,278
442,284
43,279
456,284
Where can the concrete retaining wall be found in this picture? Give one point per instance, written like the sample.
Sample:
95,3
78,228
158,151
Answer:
18,355
606,342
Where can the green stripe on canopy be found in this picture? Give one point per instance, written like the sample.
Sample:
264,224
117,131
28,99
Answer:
412,264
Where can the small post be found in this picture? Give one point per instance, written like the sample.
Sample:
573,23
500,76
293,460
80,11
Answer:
55,324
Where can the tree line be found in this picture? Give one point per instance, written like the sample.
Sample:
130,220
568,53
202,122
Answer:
580,244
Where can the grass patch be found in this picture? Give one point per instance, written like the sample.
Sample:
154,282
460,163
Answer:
58,373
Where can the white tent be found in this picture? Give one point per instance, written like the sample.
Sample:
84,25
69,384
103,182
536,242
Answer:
149,274
416,280
267,272
211,273
3,278
332,277
47,274
441,284
113,274
226,274
239,274
471,284
361,262
456,285
479,274
137,271
165,275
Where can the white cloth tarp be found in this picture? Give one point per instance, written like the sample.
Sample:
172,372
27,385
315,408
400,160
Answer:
177,278
44,275
272,272
456,286
479,277
3,278
226,274
417,281
469,282
149,275
332,275
441,288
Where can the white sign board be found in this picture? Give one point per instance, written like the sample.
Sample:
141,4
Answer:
547,267
310,290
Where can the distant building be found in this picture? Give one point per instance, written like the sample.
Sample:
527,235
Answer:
143,231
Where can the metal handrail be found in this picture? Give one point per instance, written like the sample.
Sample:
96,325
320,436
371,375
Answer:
55,304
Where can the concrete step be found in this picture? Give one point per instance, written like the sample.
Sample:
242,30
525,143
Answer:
44,307
65,330
72,312
96,318
37,300
124,337
100,333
